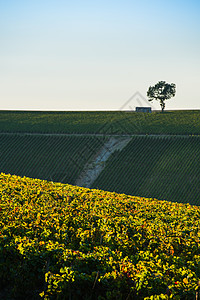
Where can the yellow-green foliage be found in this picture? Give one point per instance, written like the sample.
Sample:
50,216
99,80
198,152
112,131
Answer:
65,242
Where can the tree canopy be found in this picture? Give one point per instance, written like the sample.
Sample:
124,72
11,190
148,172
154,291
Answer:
161,91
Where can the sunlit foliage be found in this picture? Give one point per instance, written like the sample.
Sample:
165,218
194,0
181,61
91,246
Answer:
65,242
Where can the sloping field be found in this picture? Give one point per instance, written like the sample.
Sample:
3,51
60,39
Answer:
57,158
158,167
64,242
161,167
152,165
106,122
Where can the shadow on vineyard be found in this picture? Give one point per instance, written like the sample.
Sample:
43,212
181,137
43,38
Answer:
164,167
161,167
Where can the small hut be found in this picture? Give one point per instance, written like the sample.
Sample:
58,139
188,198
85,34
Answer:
143,109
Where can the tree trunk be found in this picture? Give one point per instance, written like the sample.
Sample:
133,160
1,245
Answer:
162,104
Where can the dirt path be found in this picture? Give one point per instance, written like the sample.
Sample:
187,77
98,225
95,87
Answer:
96,166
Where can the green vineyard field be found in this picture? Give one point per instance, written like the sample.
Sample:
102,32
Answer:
161,167
115,122
56,158
60,242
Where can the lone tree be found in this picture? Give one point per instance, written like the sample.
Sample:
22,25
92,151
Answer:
161,91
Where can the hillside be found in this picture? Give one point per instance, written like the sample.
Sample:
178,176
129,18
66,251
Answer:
57,158
66,242
161,167
161,158
106,122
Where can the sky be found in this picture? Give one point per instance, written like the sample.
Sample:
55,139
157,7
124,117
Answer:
95,55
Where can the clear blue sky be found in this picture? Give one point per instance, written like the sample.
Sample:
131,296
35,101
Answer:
92,55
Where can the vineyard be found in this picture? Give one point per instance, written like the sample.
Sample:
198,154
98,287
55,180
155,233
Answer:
60,241
106,122
56,158
161,167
